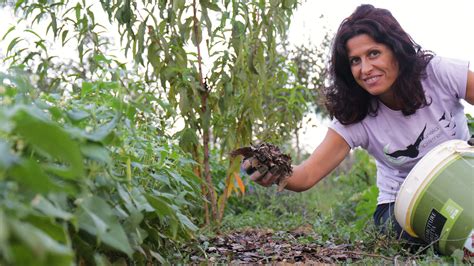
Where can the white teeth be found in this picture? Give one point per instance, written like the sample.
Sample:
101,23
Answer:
371,80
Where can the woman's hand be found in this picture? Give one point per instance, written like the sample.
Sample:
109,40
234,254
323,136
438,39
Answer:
258,172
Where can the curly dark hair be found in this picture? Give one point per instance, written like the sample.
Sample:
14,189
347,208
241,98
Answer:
344,98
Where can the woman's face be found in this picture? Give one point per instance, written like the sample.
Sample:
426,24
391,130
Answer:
373,66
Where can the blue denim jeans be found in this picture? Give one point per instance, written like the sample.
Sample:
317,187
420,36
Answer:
384,218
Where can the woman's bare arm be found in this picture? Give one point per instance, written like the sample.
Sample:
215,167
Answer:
470,87
327,156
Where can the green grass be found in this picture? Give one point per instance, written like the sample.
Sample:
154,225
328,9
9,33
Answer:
267,208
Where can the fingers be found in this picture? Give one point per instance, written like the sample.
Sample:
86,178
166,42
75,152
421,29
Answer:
249,165
258,172
268,180
265,180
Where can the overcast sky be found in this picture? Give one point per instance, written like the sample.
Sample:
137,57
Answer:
445,27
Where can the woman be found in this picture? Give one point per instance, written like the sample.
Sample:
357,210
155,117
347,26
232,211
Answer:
391,98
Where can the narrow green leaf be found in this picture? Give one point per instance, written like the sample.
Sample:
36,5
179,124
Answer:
8,31
78,9
209,4
34,33
140,40
64,36
54,24
30,56
18,4
157,256
196,35
91,15
13,43
208,23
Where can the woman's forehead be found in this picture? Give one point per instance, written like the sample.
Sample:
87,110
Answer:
361,43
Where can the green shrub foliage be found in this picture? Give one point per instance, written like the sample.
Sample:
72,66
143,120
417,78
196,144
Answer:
83,180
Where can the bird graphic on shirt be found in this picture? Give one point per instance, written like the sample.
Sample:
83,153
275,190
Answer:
411,150
448,122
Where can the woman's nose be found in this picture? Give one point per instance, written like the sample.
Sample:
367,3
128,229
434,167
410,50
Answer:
366,67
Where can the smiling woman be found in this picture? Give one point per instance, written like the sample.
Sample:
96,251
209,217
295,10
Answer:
446,36
390,97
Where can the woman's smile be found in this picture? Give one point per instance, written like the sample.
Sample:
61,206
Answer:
372,80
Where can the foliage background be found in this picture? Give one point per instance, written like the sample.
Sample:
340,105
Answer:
91,169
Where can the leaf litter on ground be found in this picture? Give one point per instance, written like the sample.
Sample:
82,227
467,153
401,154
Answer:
263,246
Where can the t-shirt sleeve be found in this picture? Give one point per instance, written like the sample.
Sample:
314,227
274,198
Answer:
450,74
353,134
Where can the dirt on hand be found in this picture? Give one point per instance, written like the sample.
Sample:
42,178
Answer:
268,157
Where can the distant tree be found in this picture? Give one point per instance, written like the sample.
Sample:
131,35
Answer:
310,63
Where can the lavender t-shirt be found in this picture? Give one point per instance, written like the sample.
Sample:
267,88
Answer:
398,142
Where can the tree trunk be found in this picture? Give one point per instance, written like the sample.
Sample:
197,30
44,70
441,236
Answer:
206,152
211,195
198,172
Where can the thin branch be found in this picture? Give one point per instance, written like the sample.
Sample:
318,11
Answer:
199,58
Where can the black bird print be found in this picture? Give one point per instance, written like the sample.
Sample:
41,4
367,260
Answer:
443,117
411,150
451,123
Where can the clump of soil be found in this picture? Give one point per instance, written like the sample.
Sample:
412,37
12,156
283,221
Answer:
266,157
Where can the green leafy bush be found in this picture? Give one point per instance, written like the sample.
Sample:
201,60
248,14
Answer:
84,180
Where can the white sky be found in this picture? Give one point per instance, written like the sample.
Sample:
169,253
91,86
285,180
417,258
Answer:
444,27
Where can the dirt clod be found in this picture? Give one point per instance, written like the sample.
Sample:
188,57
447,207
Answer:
268,158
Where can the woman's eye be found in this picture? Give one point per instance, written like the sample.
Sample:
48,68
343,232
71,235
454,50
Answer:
354,61
374,53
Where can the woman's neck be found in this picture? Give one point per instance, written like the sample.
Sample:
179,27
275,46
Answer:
390,101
